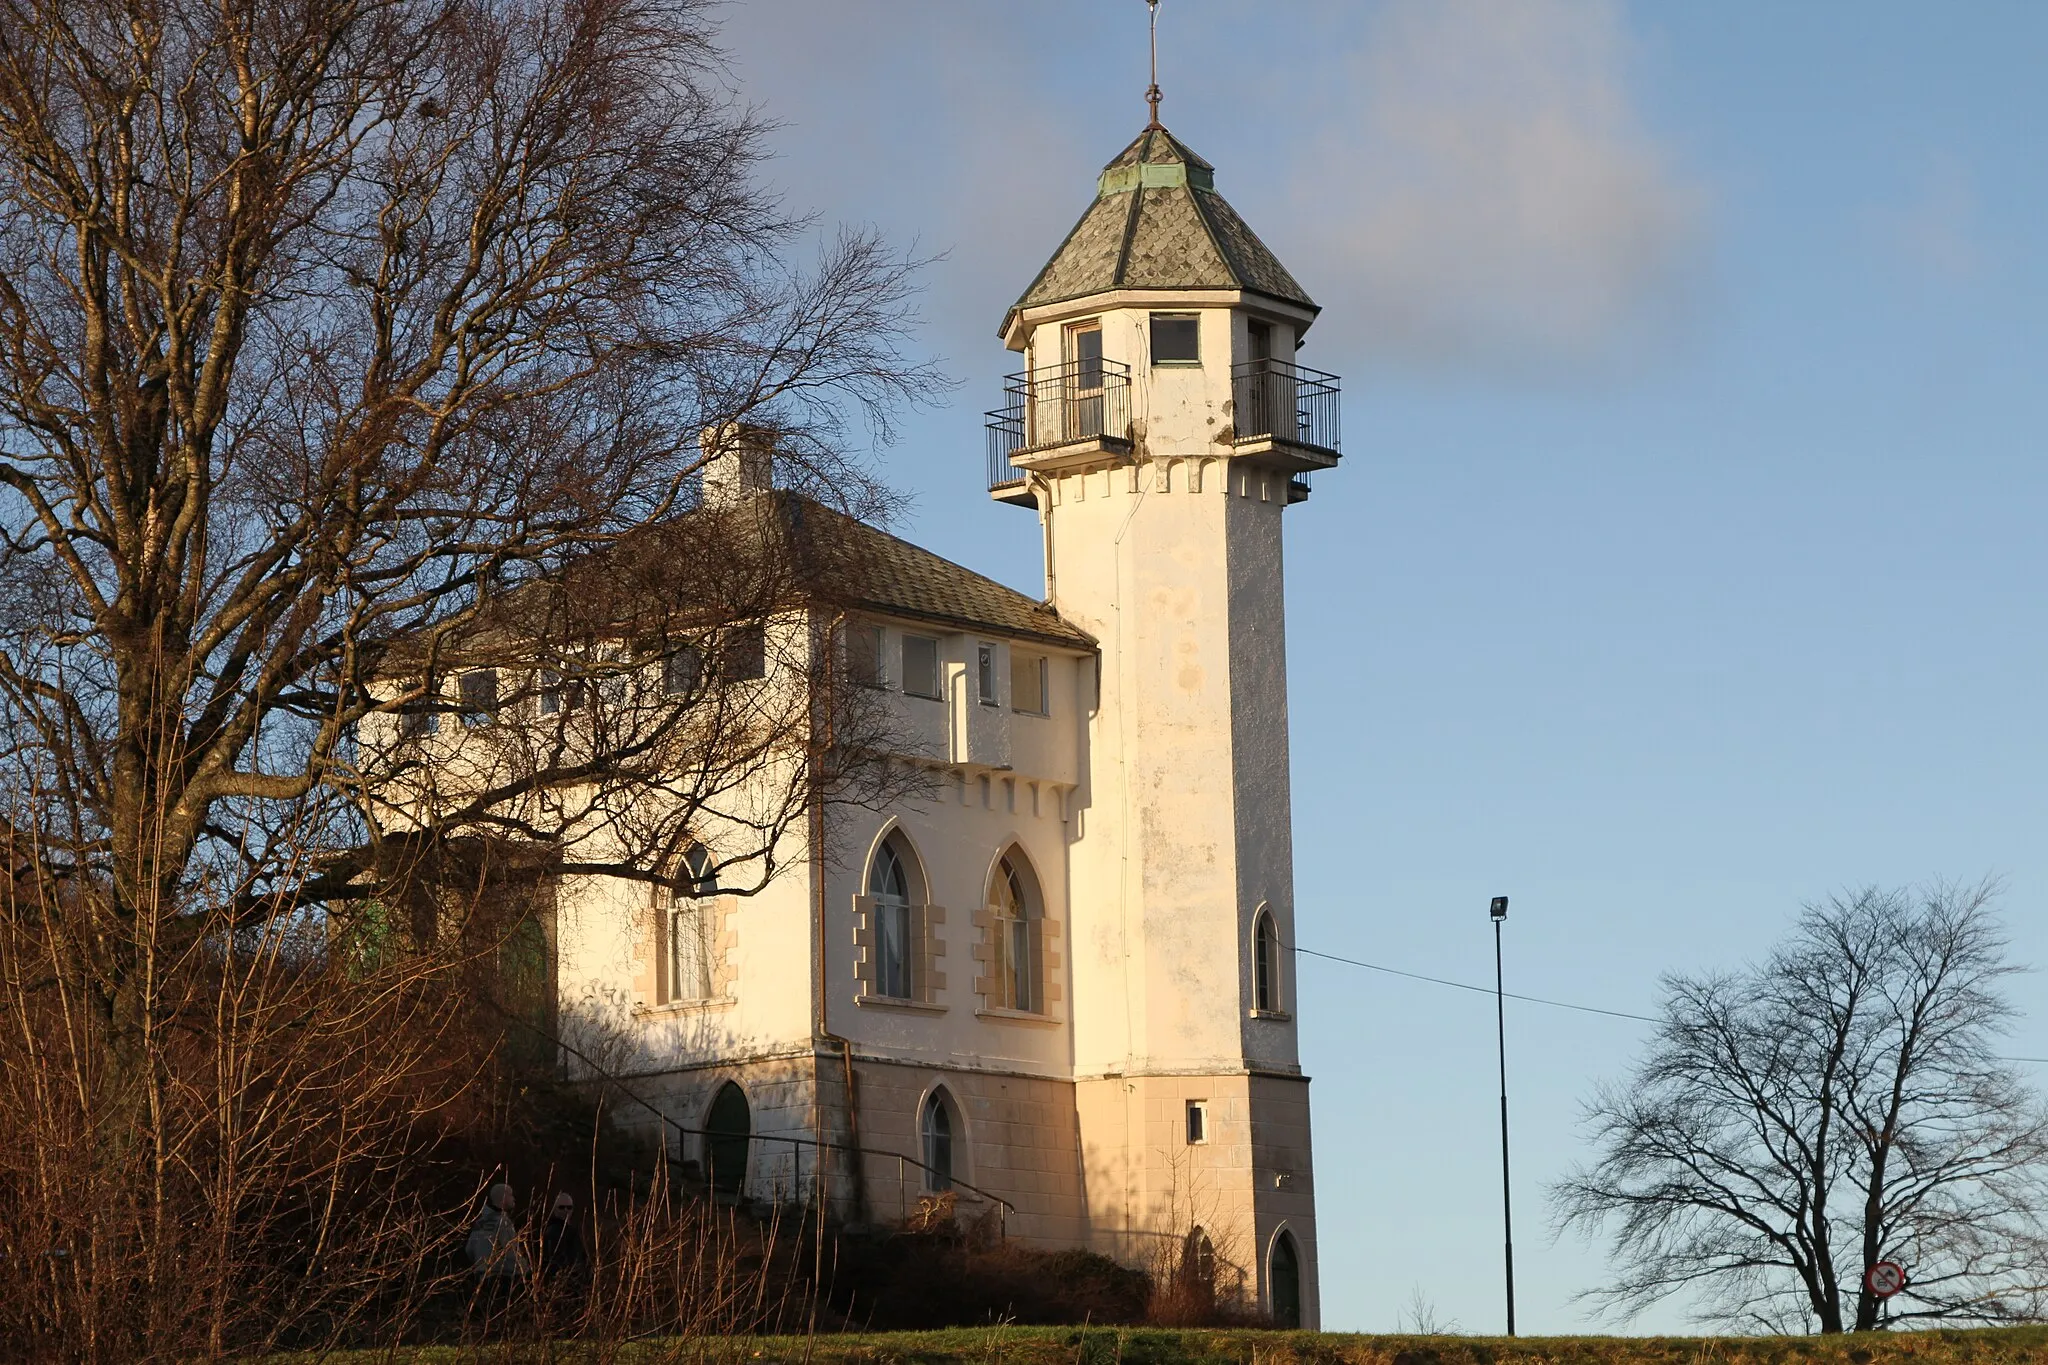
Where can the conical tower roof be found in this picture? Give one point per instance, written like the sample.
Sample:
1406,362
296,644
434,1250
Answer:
1158,223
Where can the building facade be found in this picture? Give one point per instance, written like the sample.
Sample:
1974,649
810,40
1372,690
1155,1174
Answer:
1059,985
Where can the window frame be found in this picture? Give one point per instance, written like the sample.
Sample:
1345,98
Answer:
938,674
867,666
1269,996
478,702
1152,322
1021,659
748,645
939,1140
1016,916
987,687
895,922
691,893
1197,1129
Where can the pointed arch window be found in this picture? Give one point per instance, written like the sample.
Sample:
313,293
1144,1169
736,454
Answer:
936,1132
891,885
1016,932
1266,964
690,901
1283,1281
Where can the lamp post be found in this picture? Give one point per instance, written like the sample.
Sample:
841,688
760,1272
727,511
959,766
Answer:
1499,912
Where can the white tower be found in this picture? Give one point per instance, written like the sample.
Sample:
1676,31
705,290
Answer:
1161,429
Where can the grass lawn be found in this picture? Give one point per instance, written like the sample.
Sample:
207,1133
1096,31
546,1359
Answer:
1152,1346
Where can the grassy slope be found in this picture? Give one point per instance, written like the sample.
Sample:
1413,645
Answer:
1144,1346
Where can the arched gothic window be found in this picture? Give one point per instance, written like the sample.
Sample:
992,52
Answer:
936,1129
1016,927
1284,1281
1195,1277
893,885
691,925
1266,964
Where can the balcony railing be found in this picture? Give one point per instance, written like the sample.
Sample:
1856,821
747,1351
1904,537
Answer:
1083,400
1276,401
1005,438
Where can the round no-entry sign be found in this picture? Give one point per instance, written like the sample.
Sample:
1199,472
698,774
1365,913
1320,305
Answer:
1885,1279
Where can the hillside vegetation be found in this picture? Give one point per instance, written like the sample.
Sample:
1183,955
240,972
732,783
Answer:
1143,1346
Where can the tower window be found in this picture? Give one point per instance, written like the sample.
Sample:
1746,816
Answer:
1084,354
1027,683
1176,339
1266,965
921,666
1198,1122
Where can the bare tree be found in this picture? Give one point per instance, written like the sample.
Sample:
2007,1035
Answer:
355,363
1838,1104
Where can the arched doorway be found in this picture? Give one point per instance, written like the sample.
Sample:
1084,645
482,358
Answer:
729,1127
1284,1276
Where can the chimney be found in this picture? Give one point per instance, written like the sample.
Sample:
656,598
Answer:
739,462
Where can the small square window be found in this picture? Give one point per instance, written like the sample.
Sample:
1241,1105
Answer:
554,697
682,672
985,674
418,721
1027,683
1176,339
864,654
479,691
921,666
743,654
1198,1122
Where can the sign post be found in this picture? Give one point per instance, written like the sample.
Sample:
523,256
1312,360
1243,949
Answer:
1884,1279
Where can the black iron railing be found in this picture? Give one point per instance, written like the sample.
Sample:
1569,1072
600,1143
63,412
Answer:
1276,401
1083,400
1005,438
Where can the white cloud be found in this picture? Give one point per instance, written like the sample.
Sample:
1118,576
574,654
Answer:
1487,192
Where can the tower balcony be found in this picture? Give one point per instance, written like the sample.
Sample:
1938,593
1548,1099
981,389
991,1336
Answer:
1287,413
1058,417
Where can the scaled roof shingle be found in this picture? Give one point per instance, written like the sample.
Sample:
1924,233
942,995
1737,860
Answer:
1158,223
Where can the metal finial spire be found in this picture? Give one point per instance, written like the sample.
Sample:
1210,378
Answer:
1152,91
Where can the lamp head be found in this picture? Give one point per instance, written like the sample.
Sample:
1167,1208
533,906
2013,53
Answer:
1499,909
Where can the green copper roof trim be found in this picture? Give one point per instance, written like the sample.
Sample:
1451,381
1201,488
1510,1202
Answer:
1154,175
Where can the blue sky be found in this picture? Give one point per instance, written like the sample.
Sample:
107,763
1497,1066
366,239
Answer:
1686,562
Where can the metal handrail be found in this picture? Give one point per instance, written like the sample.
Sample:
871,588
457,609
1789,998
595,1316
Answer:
1081,400
1273,400
619,1083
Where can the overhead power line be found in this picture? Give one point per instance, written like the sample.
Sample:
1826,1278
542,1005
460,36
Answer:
1531,999
1483,990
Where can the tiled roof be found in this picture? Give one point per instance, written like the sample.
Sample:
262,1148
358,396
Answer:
891,576
1158,223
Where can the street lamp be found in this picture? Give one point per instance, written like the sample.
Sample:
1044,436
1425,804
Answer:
1499,911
